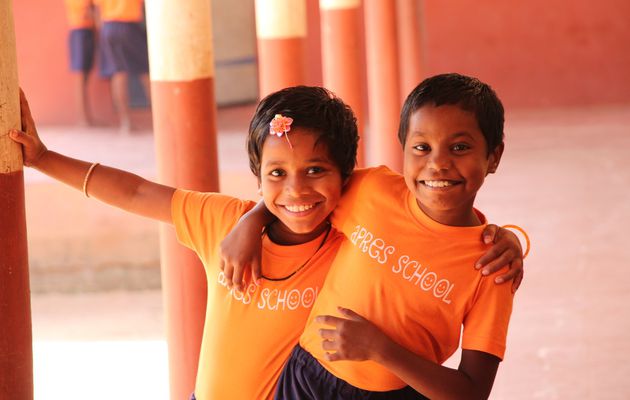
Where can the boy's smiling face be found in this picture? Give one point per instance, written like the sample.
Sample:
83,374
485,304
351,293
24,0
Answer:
300,185
446,161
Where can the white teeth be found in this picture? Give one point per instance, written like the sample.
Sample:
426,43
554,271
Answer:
438,184
299,208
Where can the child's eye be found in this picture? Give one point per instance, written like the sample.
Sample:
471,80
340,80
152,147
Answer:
460,147
421,147
277,172
314,170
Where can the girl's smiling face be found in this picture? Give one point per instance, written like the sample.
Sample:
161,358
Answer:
300,185
446,161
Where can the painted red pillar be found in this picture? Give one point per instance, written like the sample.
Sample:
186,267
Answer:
383,91
342,57
409,45
184,121
16,339
281,33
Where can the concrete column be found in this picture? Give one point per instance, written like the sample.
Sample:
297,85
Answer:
342,57
184,121
16,339
383,91
281,33
409,45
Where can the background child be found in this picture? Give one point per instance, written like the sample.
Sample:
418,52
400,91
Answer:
401,286
301,162
81,48
123,44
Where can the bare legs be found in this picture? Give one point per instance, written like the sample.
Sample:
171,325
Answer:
81,96
121,100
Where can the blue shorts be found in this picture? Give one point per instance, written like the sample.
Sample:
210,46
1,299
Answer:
123,48
81,45
303,377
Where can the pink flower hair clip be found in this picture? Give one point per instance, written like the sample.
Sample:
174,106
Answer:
281,125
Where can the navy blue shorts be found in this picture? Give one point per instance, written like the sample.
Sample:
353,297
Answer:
123,48
303,377
81,45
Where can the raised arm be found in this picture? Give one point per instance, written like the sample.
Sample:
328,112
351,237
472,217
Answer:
118,188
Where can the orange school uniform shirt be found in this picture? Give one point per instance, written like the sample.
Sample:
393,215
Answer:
120,10
80,14
411,276
248,337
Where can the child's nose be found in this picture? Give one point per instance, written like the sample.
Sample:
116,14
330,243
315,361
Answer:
295,186
439,160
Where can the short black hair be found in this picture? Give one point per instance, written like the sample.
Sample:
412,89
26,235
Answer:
313,108
467,92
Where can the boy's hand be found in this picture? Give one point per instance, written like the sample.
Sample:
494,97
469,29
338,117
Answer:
351,338
32,147
506,250
241,249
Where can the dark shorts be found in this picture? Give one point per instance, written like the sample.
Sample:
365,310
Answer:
303,377
123,48
81,45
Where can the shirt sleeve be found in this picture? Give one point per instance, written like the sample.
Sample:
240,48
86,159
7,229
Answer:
486,324
201,220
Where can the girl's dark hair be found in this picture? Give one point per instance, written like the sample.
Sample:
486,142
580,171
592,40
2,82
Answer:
468,93
313,108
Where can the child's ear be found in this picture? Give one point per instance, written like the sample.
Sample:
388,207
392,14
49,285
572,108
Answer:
259,191
495,158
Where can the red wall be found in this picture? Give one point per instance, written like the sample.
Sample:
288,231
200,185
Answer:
534,53
537,52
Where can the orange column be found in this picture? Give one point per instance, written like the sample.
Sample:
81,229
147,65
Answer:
383,92
16,342
184,121
409,45
281,32
341,55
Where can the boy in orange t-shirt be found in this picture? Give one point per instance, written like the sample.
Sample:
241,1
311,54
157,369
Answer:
302,146
400,289
81,47
123,51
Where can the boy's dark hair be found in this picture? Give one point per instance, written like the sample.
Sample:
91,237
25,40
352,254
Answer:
313,108
464,91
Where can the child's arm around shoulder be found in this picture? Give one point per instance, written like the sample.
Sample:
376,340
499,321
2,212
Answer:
118,188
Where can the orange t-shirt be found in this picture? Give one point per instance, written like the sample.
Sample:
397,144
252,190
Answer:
120,10
80,14
411,276
248,337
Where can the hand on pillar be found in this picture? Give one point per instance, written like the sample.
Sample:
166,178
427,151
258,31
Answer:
32,147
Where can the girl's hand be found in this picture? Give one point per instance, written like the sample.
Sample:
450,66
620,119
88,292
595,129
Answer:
351,338
32,147
506,250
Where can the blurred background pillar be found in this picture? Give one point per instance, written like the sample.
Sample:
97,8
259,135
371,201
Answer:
184,121
342,57
16,338
281,33
409,45
383,84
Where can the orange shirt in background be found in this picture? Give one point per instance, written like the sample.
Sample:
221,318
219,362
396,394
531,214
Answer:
411,276
120,10
248,337
80,14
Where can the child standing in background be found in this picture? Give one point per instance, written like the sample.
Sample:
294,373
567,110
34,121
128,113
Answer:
81,48
123,51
